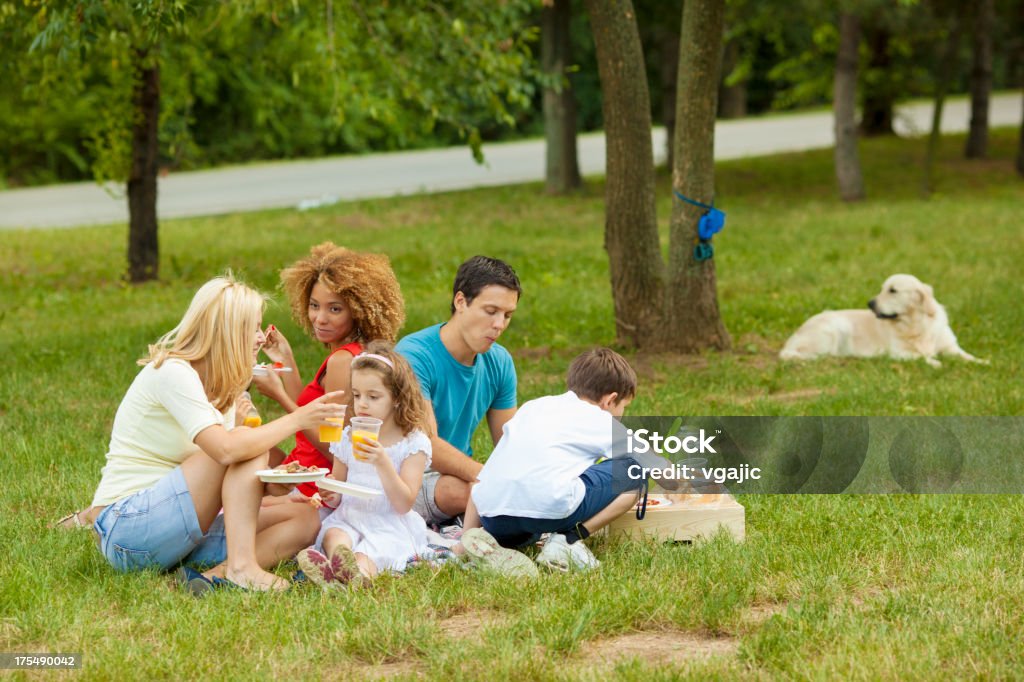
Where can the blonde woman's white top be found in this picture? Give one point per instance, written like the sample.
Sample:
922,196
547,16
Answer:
155,429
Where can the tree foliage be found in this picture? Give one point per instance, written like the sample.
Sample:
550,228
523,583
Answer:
257,78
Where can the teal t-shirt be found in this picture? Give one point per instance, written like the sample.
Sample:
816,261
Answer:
461,395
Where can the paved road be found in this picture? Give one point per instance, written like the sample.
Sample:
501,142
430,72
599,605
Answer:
306,183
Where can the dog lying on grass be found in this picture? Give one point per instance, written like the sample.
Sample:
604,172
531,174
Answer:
904,321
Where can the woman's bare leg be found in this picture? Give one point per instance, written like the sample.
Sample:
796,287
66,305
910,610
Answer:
237,489
283,530
205,480
241,495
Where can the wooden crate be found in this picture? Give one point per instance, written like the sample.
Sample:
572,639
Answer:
689,517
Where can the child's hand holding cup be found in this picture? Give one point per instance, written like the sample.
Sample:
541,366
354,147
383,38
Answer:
365,432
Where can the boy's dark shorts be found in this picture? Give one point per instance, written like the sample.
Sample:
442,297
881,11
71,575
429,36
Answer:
599,492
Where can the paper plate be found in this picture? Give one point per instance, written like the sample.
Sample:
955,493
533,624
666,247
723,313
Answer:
347,488
262,370
278,476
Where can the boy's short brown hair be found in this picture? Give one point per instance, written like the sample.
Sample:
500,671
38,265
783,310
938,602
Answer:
600,371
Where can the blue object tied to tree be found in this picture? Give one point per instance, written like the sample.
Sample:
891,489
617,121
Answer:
711,222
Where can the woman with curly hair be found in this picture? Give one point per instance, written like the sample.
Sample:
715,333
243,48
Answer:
344,299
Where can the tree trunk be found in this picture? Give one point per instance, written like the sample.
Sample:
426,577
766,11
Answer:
562,169
946,64
981,79
693,322
878,99
668,48
733,98
847,160
1020,150
143,247
631,228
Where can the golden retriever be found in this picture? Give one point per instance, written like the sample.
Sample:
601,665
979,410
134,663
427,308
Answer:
904,321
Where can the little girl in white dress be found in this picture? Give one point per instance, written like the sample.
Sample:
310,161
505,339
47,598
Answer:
364,536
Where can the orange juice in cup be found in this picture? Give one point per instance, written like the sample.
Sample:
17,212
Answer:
364,431
331,433
252,416
362,438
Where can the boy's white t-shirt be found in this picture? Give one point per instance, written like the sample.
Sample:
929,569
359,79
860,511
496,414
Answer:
534,470
154,428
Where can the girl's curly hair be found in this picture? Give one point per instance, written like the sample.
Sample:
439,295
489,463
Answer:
410,407
365,281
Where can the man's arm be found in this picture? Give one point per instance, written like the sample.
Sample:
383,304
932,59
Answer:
448,459
496,420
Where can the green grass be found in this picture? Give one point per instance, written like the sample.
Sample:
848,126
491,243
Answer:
862,587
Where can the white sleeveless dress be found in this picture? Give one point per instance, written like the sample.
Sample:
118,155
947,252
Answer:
376,529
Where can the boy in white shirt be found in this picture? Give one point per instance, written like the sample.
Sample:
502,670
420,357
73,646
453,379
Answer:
543,476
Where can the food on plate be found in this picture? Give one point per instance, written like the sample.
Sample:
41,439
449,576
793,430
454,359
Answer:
296,468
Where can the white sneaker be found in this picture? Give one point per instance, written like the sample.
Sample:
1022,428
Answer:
557,554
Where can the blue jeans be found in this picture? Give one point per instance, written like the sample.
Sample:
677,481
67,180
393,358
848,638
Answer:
158,528
517,531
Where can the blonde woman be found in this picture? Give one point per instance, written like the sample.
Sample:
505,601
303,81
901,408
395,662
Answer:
178,455
343,299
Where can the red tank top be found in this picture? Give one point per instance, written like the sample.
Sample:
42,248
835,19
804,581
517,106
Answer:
305,453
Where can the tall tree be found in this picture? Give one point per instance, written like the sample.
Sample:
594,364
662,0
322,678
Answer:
879,93
562,170
132,32
631,227
1020,149
658,307
984,16
847,159
694,320
733,93
143,241
1019,61
945,68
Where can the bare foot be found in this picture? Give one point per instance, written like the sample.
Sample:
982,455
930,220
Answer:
217,571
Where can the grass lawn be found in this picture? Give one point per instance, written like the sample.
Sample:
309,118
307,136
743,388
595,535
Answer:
824,587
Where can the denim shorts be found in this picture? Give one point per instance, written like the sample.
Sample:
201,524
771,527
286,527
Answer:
158,528
516,531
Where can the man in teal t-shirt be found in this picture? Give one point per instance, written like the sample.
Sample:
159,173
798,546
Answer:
465,375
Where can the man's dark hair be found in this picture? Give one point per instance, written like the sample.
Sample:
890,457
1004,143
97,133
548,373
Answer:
479,272
598,372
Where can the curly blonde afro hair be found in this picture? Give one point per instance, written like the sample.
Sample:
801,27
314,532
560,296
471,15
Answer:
365,281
